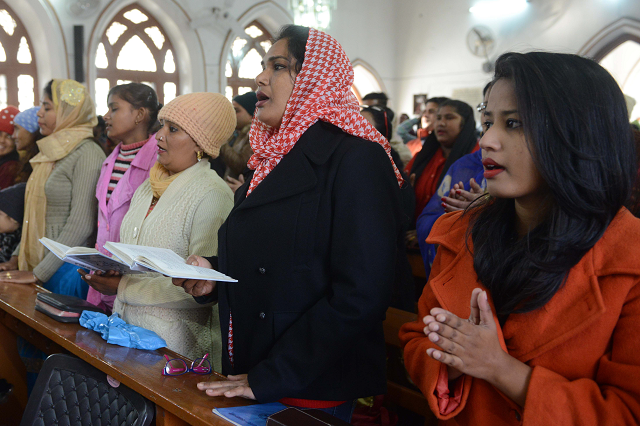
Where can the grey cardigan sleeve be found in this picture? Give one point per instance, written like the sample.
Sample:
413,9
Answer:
82,169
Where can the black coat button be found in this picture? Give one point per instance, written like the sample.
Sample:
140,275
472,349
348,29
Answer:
262,315
262,270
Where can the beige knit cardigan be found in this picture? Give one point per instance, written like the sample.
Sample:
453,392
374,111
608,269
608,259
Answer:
72,208
186,220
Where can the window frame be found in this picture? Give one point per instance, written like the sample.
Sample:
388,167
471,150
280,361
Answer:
113,74
11,68
235,82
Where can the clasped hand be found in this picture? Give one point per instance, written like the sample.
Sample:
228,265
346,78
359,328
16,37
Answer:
466,346
459,198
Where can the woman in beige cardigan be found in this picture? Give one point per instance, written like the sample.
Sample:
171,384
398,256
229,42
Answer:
180,207
59,199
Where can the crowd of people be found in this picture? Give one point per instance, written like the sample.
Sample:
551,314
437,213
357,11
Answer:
311,201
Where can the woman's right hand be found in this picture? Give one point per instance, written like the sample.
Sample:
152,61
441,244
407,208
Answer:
196,288
10,265
459,199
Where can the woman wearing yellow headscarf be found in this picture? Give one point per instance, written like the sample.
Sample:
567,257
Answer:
59,198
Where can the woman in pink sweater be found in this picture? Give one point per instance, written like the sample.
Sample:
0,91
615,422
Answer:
132,121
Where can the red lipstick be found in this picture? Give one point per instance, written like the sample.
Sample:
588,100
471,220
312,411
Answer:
491,168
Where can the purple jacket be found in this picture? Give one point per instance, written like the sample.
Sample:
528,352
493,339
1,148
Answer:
110,215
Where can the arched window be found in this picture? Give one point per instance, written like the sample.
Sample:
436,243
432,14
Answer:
135,48
623,62
364,81
243,63
18,72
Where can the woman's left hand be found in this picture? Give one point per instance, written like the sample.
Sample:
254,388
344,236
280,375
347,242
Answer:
459,199
18,277
106,283
233,386
470,346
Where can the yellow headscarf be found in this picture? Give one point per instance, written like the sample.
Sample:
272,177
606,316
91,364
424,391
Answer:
75,120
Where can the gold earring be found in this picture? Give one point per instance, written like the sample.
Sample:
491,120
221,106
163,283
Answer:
137,122
199,155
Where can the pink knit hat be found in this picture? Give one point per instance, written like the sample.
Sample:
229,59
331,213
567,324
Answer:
209,118
7,115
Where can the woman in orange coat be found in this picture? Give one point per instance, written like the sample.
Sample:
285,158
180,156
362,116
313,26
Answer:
532,310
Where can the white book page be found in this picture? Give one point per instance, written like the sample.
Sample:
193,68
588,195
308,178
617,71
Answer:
160,256
166,262
183,270
54,247
82,251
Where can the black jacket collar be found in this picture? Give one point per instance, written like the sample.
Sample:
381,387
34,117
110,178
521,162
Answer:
294,174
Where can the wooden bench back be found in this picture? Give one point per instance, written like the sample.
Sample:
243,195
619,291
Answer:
399,389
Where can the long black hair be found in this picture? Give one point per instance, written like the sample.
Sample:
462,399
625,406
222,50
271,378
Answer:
464,144
140,96
575,123
383,118
296,37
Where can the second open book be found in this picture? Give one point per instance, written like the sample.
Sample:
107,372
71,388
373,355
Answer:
132,259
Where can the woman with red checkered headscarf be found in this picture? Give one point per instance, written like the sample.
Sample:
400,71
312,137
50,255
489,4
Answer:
312,239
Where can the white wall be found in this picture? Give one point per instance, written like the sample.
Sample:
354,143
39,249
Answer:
434,59
366,30
414,46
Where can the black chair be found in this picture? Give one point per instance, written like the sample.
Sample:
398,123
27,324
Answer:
71,392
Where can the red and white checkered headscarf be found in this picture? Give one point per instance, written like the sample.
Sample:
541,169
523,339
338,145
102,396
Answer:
322,91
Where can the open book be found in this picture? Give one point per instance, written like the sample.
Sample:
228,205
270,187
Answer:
87,258
133,259
165,261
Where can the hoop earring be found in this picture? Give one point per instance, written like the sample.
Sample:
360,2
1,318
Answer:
199,155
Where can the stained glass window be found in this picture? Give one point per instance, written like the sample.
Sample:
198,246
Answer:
250,65
7,22
101,57
135,16
18,71
24,53
115,30
243,62
135,48
136,56
156,36
26,99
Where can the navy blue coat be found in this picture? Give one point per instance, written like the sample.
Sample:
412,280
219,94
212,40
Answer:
314,249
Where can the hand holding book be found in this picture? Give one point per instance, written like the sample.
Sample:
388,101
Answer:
133,259
196,288
104,282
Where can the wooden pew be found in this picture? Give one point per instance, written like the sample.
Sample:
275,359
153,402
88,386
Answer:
399,390
178,402
417,265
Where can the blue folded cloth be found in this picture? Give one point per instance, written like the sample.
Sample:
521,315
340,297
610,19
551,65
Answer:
114,330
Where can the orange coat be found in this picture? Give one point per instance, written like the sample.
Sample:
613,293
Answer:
583,345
